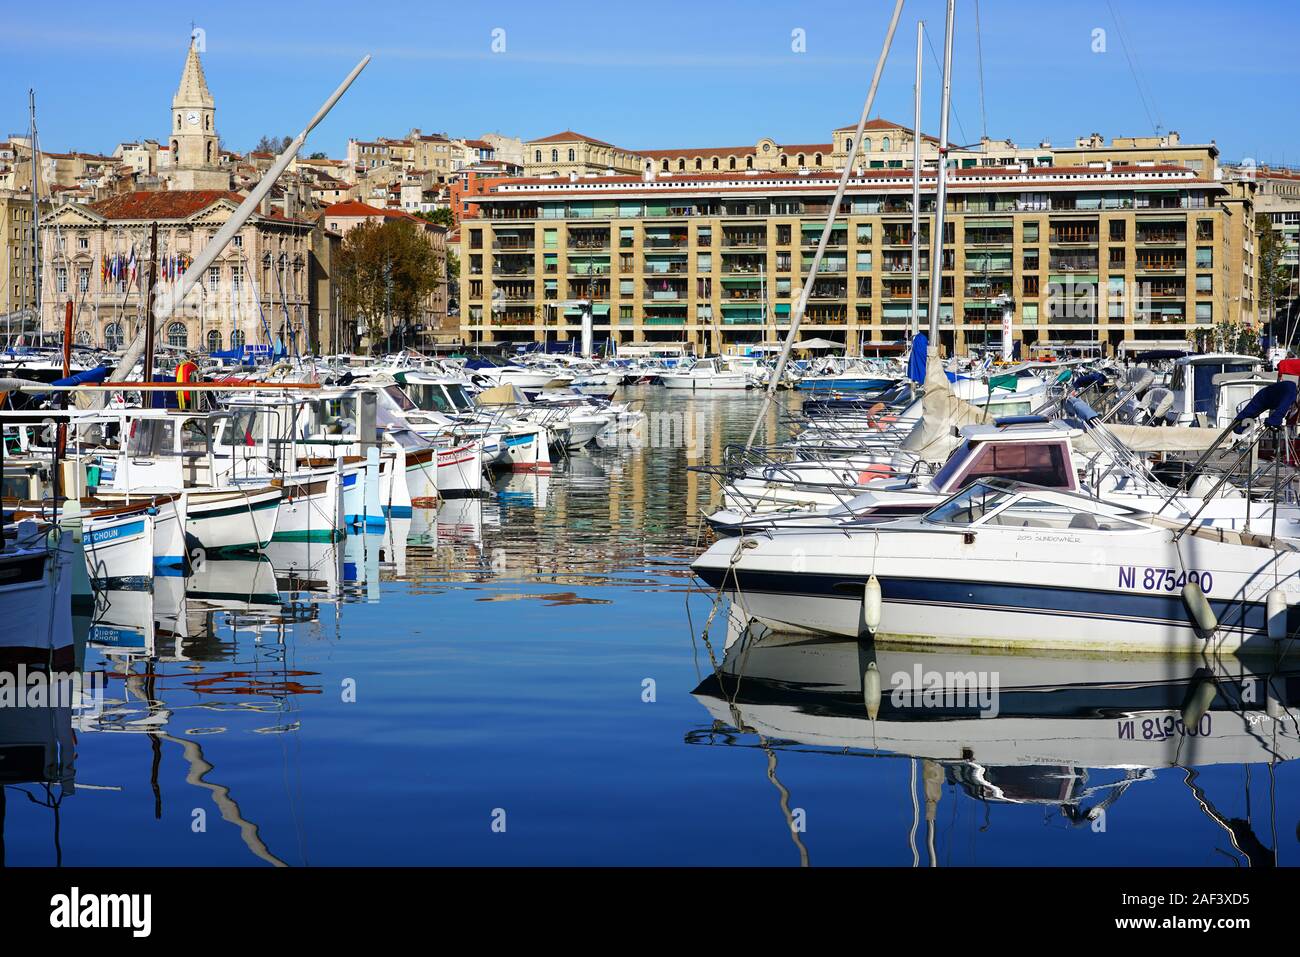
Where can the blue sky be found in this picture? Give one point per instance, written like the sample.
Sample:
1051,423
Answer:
659,74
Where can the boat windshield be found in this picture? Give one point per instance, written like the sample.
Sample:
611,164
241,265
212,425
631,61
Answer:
458,397
400,398
991,507
970,506
151,437
1028,512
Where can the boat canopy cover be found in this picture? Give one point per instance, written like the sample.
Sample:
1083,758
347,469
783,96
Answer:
916,358
934,437
1153,438
503,394
1275,399
97,374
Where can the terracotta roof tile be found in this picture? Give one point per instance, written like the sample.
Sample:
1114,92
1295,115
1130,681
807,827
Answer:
161,204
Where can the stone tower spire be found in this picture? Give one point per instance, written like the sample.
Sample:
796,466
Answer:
196,155
193,90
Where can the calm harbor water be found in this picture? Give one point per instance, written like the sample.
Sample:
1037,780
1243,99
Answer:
518,680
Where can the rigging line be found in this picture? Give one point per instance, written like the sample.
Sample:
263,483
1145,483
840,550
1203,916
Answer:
1148,103
939,66
979,55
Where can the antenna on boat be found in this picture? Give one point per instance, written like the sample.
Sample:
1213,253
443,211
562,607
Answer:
831,213
159,311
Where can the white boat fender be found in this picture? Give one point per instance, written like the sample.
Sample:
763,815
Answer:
1198,606
871,605
1276,606
871,690
1199,698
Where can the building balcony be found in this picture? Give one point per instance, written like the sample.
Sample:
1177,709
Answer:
1072,238
1073,264
1153,237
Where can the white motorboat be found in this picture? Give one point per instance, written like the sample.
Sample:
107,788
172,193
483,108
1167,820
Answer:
36,581
1008,565
704,375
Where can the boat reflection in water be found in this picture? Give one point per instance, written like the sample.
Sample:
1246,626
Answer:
1073,734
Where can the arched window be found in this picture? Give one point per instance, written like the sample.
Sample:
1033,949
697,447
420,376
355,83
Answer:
848,144
801,158
207,122
537,156
209,152
715,162
884,144
237,339
749,162
82,337
573,155
177,335
113,336
555,156
178,121
214,341
785,160
731,163
681,165
665,166
817,160
866,145
175,150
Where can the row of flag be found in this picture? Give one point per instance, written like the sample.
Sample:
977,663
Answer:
121,267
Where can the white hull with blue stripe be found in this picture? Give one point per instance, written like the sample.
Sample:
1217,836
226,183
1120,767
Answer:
1007,566
119,547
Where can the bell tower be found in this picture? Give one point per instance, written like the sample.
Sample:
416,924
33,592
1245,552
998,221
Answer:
196,156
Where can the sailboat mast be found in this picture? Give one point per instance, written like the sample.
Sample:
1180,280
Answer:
916,183
36,218
941,191
832,212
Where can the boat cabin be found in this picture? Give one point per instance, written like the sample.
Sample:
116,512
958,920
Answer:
1024,449
1198,385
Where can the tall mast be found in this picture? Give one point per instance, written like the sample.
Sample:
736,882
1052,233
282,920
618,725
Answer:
941,191
36,217
916,183
797,317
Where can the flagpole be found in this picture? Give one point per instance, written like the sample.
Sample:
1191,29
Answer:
148,304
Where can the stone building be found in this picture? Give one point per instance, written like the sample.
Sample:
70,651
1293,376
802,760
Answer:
255,294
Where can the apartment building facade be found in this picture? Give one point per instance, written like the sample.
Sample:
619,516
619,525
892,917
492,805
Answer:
1103,253
18,310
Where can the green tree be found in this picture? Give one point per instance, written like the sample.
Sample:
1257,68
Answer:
318,155
272,144
442,216
1274,274
385,274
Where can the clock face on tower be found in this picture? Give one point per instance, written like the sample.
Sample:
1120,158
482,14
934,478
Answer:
192,118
